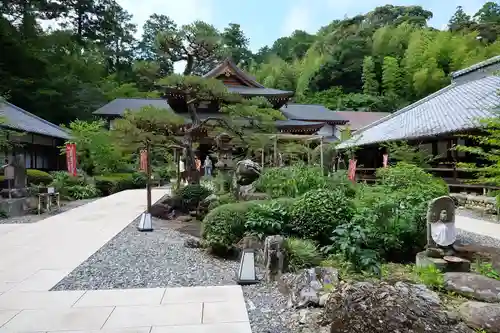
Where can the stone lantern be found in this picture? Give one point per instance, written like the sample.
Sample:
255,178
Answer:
225,163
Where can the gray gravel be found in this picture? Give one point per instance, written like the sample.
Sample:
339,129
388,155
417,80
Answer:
475,214
472,238
32,218
159,259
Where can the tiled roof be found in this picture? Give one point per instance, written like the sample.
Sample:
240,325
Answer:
360,119
311,112
454,108
298,123
19,119
247,91
229,64
117,107
475,67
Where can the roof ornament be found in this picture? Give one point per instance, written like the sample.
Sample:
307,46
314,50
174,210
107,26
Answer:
228,72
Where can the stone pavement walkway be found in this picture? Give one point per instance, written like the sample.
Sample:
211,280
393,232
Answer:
34,257
477,226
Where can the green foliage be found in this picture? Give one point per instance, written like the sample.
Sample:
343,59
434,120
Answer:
430,276
224,226
291,181
95,149
302,253
192,195
116,182
222,199
38,177
403,152
318,212
485,147
370,83
79,192
269,218
487,269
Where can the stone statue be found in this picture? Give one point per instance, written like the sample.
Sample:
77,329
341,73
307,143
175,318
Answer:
247,171
441,231
274,257
441,238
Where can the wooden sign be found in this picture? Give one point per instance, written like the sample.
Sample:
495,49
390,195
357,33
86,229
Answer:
71,158
351,173
143,165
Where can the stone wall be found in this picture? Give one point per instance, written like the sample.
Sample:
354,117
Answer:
476,202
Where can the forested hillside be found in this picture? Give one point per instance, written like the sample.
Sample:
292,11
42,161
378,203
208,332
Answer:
379,61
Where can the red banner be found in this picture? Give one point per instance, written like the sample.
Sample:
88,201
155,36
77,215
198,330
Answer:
143,166
385,159
351,173
71,158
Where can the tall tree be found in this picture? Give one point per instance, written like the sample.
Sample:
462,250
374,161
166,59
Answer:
391,76
370,83
148,50
460,20
235,45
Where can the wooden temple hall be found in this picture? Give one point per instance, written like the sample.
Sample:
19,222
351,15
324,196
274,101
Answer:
435,124
313,120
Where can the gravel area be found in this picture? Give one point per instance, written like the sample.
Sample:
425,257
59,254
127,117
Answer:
133,259
472,238
32,218
461,211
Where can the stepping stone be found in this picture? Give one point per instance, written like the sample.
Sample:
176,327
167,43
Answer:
473,285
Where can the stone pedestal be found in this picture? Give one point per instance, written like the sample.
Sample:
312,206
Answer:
451,264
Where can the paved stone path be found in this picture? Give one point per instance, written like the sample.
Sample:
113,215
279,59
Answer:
477,226
34,257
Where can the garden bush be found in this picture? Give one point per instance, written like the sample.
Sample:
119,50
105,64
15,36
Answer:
269,217
224,226
116,182
79,192
38,177
317,213
302,253
191,196
291,181
390,219
223,199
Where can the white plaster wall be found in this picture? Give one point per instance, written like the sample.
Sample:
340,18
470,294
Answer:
326,130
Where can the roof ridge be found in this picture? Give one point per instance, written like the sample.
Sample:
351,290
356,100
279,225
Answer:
228,61
406,108
475,67
36,117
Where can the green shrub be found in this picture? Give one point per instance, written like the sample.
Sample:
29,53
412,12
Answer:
222,200
62,181
291,181
79,192
394,211
225,225
318,212
191,196
269,217
430,276
38,177
302,253
116,182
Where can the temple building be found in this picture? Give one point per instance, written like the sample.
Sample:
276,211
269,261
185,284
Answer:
436,124
300,118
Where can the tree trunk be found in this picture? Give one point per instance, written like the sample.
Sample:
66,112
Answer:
193,176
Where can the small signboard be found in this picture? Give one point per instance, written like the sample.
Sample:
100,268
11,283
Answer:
9,172
50,190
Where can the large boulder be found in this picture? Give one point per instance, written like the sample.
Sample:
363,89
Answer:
383,307
479,315
473,285
247,171
309,287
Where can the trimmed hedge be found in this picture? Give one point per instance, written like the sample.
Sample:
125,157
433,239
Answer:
34,176
224,226
116,182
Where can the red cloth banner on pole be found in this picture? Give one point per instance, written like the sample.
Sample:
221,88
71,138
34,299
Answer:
385,159
71,158
144,160
351,173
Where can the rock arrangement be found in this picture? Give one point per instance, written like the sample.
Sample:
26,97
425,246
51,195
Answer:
477,202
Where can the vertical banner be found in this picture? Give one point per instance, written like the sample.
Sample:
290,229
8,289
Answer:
71,158
385,160
143,166
351,173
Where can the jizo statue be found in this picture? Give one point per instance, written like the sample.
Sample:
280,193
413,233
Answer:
441,230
